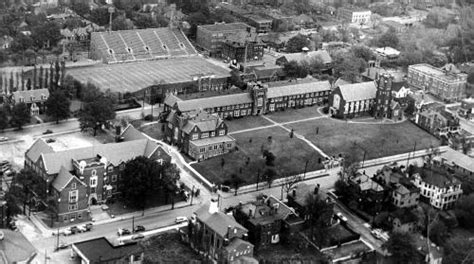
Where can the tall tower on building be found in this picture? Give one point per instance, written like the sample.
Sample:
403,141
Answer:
383,96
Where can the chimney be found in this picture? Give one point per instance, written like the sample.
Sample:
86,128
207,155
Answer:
229,231
213,206
294,193
250,213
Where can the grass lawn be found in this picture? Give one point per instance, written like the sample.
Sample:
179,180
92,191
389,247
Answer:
246,122
168,248
118,207
378,140
291,156
280,253
294,114
154,131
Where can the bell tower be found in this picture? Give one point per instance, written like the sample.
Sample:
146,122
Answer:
259,97
383,96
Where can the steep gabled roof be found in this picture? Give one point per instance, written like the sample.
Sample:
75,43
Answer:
219,222
28,94
216,101
63,179
131,133
298,88
358,91
39,147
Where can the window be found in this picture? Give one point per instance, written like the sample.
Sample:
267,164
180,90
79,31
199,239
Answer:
73,186
229,145
94,173
195,136
213,134
110,169
205,135
114,178
72,207
73,196
93,182
202,150
221,132
215,146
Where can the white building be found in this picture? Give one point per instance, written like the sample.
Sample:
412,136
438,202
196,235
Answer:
441,189
352,15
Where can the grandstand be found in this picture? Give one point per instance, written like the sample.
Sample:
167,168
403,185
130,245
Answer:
139,44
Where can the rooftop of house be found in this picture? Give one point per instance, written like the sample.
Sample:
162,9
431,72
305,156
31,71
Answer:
218,221
458,158
301,192
261,212
30,96
63,179
366,183
201,119
358,91
423,244
15,248
387,51
436,176
100,249
218,27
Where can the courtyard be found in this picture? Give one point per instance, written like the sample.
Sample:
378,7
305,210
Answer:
292,156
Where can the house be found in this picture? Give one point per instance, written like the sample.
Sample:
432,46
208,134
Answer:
101,250
355,99
437,122
387,54
267,73
354,15
429,251
371,193
260,99
219,236
77,178
242,50
457,162
199,134
403,221
405,195
306,56
400,91
303,21
15,248
212,37
266,219
446,83
467,108
301,195
34,99
437,186
5,42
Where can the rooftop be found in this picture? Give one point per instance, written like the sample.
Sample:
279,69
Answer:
437,177
225,26
437,72
323,55
15,248
456,157
100,249
219,222
405,215
358,91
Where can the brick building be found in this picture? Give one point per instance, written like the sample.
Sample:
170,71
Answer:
259,99
199,134
212,37
77,178
353,15
349,100
299,197
445,83
438,122
242,51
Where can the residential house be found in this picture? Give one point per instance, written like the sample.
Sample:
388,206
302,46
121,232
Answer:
101,250
302,194
34,99
303,21
446,83
5,42
219,236
441,189
15,248
77,178
242,51
266,219
386,54
405,195
437,122
199,134
261,99
457,162
371,193
403,221
354,15
400,91
266,73
212,37
467,108
429,251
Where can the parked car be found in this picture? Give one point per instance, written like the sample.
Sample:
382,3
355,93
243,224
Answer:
2,139
376,233
5,167
62,245
138,237
139,228
48,131
225,188
342,217
85,227
123,232
181,219
9,173
75,230
67,232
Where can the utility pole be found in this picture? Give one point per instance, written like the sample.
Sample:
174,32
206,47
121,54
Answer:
192,195
408,159
133,223
258,177
57,240
151,102
305,168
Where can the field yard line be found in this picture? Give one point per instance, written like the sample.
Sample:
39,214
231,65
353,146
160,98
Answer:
252,129
299,136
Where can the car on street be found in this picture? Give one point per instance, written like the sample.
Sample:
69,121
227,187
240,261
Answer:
2,139
75,230
85,227
139,228
138,237
342,217
48,131
376,233
62,245
123,232
5,167
180,219
67,232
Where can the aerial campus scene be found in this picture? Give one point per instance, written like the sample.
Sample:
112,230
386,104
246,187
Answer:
241,131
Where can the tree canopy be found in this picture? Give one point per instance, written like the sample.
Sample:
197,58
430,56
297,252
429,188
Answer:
389,39
57,105
403,248
348,66
98,108
3,118
465,211
20,115
297,43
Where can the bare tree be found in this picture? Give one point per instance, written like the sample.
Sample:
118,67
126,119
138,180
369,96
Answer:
290,182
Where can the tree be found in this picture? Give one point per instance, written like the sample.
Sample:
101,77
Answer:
100,16
236,182
389,39
3,118
269,175
458,250
46,35
80,7
121,23
269,158
348,67
362,52
144,178
438,232
293,70
403,248
297,43
57,105
236,80
465,211
320,214
97,110
20,115
145,21
290,182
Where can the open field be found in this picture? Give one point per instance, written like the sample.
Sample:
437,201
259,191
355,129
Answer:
378,140
247,122
291,157
155,130
168,248
294,114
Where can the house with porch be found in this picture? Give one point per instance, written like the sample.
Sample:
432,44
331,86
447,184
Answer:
34,99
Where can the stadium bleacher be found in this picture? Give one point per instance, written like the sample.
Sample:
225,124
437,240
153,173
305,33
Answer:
141,44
